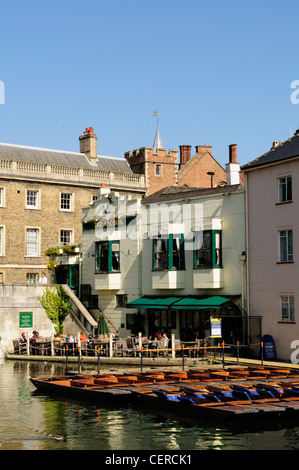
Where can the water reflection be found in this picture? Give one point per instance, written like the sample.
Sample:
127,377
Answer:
29,418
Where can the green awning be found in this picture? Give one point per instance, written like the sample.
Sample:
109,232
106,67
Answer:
182,303
153,302
192,303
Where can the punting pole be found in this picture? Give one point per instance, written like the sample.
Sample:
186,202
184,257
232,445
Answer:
99,355
238,352
141,358
262,352
183,355
223,361
66,356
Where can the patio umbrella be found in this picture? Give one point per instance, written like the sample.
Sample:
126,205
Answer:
102,328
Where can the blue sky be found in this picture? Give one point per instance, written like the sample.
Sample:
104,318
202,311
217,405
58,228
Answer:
218,72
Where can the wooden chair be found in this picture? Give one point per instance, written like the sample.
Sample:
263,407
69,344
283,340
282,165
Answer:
19,348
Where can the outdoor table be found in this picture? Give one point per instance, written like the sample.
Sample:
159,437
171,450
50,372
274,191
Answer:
42,347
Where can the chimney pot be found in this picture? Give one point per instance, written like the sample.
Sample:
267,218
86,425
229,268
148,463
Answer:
88,144
233,157
185,153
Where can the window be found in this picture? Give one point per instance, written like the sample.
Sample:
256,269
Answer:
107,256
287,308
121,300
65,237
1,197
1,241
168,253
158,170
208,249
286,246
285,189
32,199
32,278
66,202
32,242
1,278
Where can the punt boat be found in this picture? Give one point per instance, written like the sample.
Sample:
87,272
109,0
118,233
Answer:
235,392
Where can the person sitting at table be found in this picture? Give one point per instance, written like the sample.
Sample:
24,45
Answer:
154,344
165,340
83,336
34,337
69,338
58,337
23,338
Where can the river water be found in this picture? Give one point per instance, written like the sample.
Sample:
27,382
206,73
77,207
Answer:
28,419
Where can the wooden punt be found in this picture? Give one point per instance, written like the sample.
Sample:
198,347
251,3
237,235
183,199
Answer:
255,392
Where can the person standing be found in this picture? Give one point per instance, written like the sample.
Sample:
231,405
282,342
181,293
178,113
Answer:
43,279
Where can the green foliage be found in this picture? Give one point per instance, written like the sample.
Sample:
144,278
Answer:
57,306
61,250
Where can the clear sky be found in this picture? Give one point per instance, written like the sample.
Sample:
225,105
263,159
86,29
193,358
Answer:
218,72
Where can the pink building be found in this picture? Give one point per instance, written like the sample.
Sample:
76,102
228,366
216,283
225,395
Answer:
272,208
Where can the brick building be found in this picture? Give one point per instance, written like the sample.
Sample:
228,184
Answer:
163,168
42,192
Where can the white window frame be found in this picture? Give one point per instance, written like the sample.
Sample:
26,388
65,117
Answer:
71,231
37,204
2,240
289,252
37,251
69,209
287,308
2,196
34,279
285,181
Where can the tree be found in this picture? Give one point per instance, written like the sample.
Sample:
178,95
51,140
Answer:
57,306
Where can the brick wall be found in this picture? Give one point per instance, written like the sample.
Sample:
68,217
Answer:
48,218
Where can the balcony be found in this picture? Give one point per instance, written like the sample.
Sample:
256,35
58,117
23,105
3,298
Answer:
209,278
168,279
107,281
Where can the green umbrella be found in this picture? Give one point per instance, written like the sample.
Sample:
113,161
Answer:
102,328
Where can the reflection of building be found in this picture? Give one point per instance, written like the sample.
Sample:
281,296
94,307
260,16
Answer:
273,242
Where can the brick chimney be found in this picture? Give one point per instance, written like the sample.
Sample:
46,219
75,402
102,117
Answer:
233,167
88,144
185,154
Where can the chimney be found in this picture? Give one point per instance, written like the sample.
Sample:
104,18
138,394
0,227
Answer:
88,144
233,167
185,153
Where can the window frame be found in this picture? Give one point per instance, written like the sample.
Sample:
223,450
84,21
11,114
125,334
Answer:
34,280
169,252
109,256
290,306
215,251
2,240
37,204
285,181
63,243
71,202
2,196
289,258
37,253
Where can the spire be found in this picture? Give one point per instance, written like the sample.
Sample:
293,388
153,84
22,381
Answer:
157,142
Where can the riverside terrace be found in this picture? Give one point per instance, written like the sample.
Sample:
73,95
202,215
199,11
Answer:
135,351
